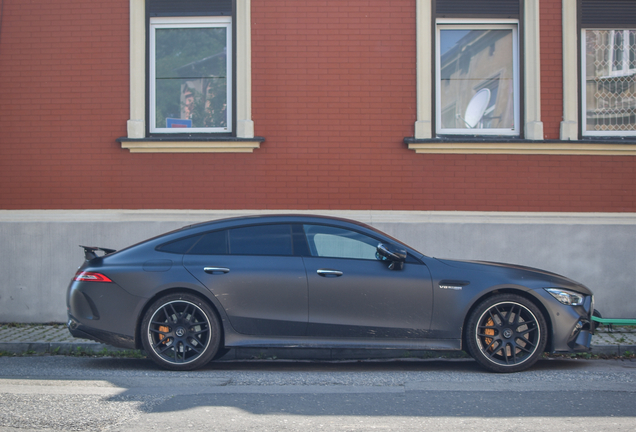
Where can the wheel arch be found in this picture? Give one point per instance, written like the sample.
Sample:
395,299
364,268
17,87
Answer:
177,290
510,290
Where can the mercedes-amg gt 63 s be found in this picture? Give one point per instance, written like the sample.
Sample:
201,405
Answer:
188,296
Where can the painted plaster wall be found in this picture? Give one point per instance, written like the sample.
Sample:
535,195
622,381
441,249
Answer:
41,254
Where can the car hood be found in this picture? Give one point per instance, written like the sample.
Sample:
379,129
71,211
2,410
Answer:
517,272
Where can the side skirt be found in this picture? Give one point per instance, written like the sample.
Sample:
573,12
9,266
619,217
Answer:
235,340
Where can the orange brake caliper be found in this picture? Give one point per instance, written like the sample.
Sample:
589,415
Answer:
163,329
489,332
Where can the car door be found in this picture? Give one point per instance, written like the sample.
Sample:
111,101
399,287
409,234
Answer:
254,275
354,294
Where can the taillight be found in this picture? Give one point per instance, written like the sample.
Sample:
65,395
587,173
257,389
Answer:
83,276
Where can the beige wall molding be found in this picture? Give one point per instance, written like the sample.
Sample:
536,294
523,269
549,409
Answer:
533,127
176,146
556,148
532,69
570,123
137,124
136,127
424,123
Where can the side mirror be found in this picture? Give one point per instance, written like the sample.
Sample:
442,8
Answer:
392,253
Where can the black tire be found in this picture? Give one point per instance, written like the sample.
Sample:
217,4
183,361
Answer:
180,332
597,314
506,333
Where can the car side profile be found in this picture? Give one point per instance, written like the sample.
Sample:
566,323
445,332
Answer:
188,296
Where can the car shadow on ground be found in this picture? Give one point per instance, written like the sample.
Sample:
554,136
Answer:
369,365
399,388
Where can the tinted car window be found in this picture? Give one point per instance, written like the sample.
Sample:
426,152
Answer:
261,240
180,246
213,243
327,241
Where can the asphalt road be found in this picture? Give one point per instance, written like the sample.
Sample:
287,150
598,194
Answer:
70,393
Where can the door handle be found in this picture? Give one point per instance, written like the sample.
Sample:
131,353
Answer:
328,272
212,270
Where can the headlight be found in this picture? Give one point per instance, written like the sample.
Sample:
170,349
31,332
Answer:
566,297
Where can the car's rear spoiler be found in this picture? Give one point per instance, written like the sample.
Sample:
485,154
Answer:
90,252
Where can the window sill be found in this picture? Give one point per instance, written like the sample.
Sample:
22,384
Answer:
498,145
191,145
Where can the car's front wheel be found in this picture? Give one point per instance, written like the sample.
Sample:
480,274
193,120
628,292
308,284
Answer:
506,333
180,332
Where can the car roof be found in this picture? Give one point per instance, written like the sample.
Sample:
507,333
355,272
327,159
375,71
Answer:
223,223
284,217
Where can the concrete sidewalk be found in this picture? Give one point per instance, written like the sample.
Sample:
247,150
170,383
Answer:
55,338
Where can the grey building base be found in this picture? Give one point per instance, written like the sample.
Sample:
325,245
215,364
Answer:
40,252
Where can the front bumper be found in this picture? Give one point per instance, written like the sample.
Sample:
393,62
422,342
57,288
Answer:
576,327
581,341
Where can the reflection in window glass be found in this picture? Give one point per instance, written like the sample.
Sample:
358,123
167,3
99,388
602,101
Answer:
609,82
477,74
325,241
190,82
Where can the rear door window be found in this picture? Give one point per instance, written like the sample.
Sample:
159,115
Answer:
261,240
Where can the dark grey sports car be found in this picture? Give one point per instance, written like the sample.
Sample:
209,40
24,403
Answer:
188,296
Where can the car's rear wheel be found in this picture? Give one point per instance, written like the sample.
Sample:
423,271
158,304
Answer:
180,332
506,333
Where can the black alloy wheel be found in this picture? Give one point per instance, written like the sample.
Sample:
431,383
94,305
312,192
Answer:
506,333
180,332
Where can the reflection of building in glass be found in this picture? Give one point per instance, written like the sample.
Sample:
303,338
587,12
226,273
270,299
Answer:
204,100
190,75
610,83
472,60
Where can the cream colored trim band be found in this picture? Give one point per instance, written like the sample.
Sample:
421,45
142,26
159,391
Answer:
190,146
366,216
578,148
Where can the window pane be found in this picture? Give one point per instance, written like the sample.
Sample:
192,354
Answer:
179,246
261,240
477,70
214,243
191,81
325,241
617,63
610,87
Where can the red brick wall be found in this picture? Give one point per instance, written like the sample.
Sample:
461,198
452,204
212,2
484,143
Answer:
333,94
551,68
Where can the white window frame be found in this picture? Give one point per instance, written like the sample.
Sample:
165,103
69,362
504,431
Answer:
613,74
189,23
470,24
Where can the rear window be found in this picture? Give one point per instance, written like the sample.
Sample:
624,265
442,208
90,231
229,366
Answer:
213,243
180,246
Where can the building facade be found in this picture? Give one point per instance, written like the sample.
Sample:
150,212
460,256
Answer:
496,129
